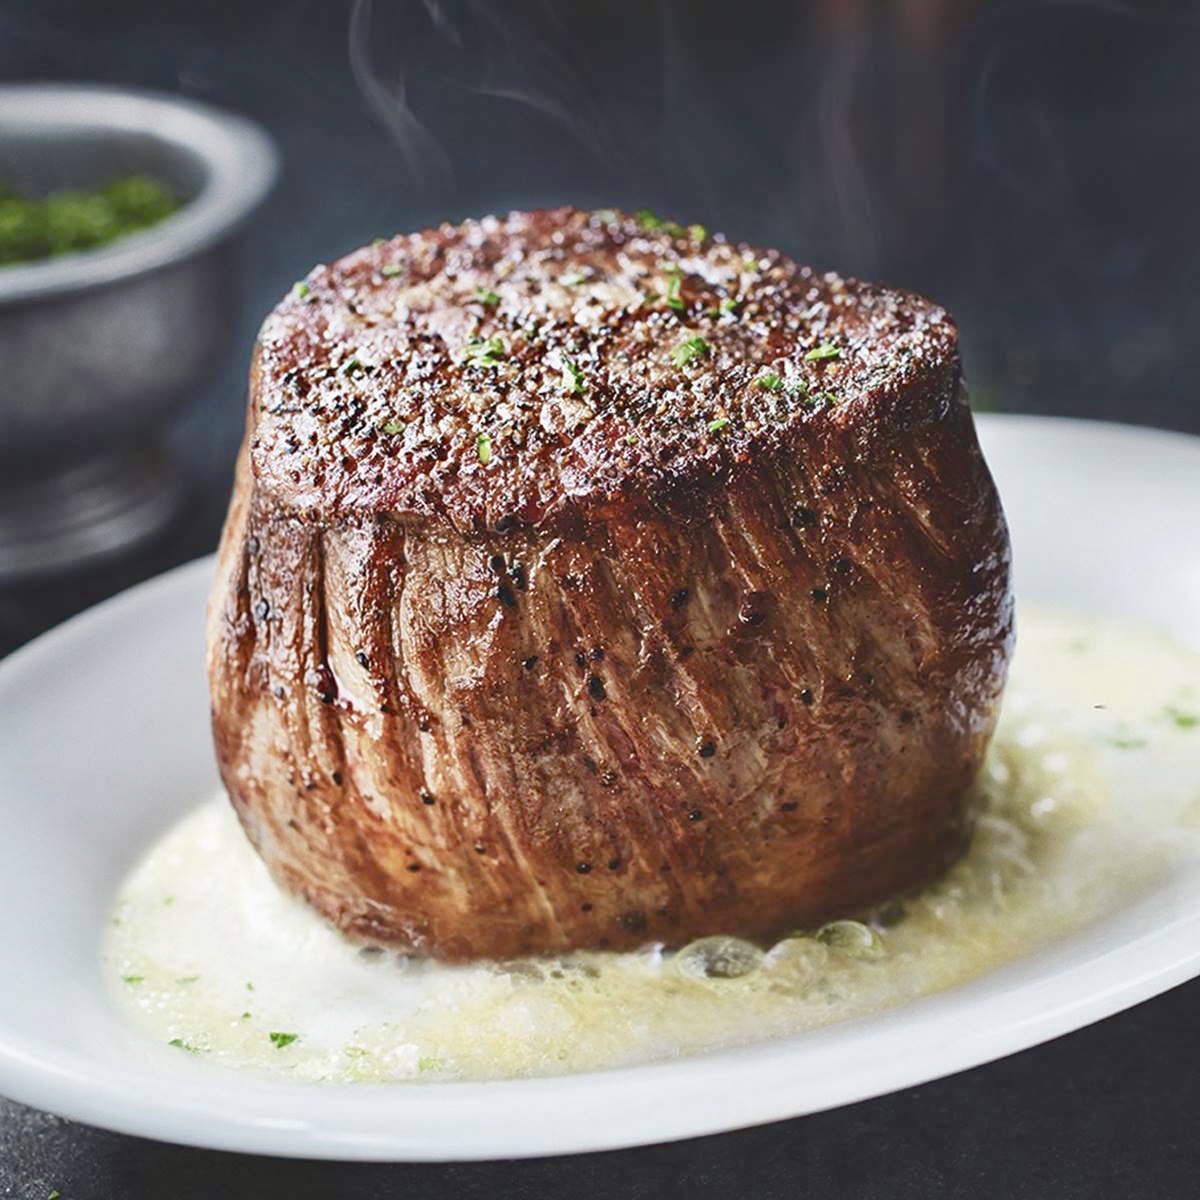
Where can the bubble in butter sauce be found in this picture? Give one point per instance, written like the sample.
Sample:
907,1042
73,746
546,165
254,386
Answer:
1091,789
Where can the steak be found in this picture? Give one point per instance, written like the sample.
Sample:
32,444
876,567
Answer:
591,581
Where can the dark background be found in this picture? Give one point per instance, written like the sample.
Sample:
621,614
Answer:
1033,166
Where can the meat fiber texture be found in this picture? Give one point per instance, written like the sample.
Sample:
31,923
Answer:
590,581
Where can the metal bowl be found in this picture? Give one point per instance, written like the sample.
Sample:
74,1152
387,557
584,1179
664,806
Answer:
99,346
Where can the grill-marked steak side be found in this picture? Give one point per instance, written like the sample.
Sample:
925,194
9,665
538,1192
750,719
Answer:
587,584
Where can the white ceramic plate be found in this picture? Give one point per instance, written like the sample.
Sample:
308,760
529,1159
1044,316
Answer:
104,743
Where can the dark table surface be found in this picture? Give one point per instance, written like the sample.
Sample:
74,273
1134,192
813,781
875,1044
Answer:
1034,166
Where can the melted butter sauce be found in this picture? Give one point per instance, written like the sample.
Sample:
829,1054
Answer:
1091,790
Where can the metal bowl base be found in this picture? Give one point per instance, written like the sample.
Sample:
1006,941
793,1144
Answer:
86,513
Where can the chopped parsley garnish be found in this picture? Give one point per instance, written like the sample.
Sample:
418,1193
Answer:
632,438
573,278
249,986
485,352
132,978
795,387
245,1016
356,1052
1124,741
674,299
428,1063
487,297
717,425
826,350
180,1044
393,427
769,381
688,351
186,979
351,366
41,227
279,1040
391,270
378,241
697,233
54,1194
573,377
1182,719
725,308
606,216
483,448
301,289
647,220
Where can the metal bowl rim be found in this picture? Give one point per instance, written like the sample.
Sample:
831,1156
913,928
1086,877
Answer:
240,159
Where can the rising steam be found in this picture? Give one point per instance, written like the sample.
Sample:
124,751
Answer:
427,162
522,58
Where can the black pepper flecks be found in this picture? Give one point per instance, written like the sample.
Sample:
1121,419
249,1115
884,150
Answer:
530,662
819,594
806,696
426,798
804,518
583,868
505,596
262,610
581,659
362,659
842,566
679,599
320,679
707,750
790,806
695,815
596,687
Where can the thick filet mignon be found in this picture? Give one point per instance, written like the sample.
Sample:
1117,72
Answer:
590,581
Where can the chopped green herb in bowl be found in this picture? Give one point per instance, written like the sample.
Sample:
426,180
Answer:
63,222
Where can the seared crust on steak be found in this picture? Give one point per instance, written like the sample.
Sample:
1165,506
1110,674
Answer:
577,638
